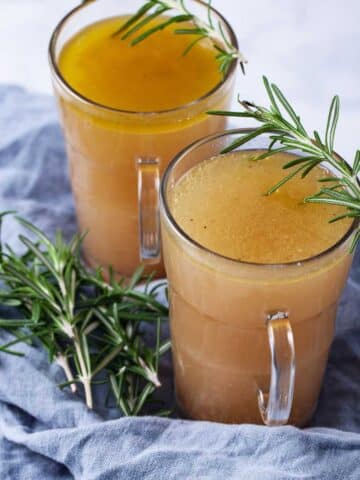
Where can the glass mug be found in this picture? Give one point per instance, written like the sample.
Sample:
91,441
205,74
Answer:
250,341
117,157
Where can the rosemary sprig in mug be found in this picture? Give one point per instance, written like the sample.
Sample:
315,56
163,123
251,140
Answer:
141,26
87,325
287,133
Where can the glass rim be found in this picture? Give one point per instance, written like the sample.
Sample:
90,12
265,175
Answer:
164,204
88,102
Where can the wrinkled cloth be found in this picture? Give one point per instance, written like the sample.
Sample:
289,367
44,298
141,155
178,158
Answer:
50,434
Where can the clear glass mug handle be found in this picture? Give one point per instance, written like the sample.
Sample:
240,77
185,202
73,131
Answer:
148,199
275,406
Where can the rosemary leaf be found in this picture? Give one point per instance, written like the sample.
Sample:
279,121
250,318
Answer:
132,20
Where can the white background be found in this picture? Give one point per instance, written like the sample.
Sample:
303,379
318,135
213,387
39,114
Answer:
311,48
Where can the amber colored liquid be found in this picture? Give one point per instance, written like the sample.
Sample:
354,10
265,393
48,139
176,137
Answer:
104,145
218,307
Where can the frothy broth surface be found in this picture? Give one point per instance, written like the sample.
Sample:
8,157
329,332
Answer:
221,204
151,76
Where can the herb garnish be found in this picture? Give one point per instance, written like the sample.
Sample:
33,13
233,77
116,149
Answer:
287,133
153,9
86,324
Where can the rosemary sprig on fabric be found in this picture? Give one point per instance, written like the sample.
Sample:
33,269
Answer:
87,325
139,27
287,133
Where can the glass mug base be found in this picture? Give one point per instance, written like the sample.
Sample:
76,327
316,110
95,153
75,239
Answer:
220,368
246,417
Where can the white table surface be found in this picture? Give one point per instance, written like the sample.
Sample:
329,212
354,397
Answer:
311,48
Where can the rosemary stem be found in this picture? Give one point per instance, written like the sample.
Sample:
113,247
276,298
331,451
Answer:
327,157
64,364
152,376
88,393
85,377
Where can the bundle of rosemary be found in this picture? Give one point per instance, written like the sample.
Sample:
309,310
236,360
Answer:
87,325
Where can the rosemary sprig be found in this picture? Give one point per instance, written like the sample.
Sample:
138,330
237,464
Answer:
139,27
287,133
87,325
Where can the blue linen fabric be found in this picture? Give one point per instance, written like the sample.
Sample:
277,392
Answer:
49,434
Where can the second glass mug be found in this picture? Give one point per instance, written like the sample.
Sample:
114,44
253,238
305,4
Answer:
117,157
250,341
